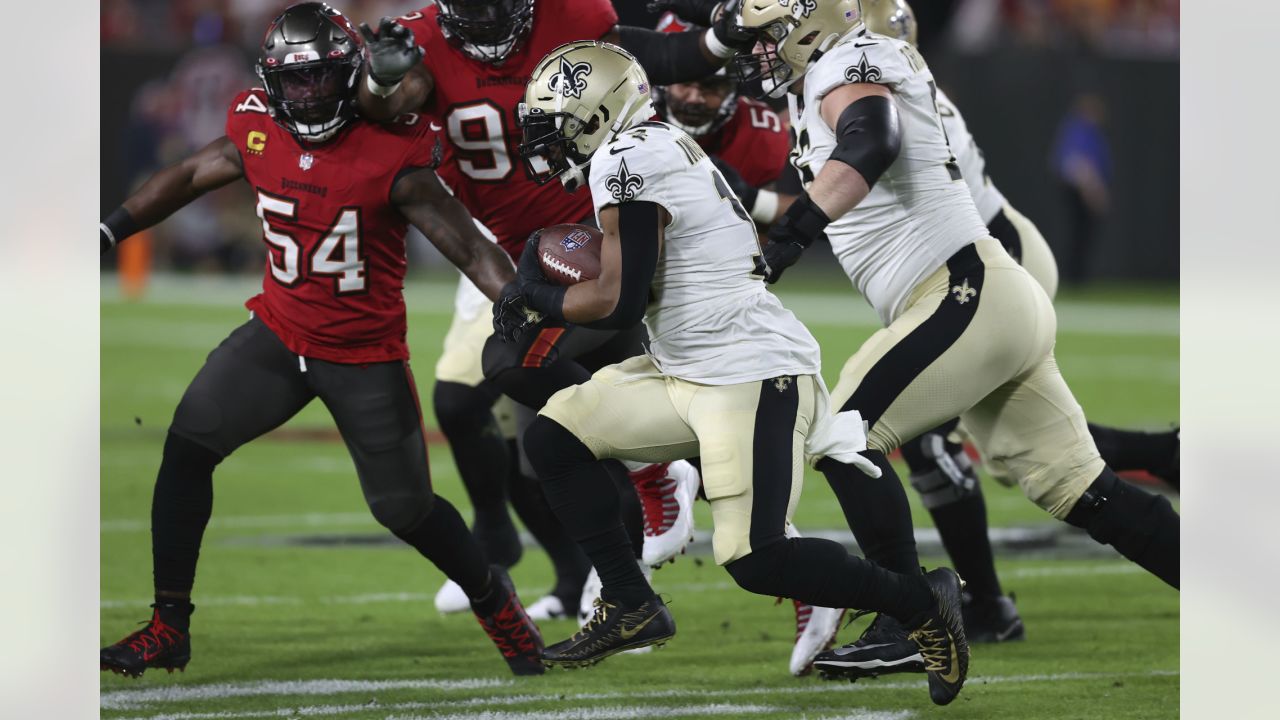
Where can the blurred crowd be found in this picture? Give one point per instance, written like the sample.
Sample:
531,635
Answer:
178,61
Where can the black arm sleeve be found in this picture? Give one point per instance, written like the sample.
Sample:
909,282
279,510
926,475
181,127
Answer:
868,137
638,223
667,57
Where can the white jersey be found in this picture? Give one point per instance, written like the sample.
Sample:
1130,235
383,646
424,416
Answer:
973,166
710,318
919,212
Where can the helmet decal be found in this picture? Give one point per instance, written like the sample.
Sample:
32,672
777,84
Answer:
571,80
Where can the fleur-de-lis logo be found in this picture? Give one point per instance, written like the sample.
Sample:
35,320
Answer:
623,185
782,383
964,293
804,8
863,72
571,80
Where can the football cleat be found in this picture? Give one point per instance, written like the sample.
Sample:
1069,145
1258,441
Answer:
816,629
157,645
939,634
510,628
613,629
882,649
591,593
991,620
548,607
452,599
667,492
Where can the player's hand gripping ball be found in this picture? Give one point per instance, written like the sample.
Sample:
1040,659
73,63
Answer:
569,253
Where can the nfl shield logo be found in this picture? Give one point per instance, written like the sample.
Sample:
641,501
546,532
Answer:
306,161
575,240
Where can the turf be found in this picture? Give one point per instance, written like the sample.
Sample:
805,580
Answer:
1103,638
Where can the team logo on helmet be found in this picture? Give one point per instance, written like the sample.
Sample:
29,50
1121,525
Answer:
863,72
804,8
575,240
571,80
624,186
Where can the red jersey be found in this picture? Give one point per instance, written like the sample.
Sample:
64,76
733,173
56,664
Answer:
754,142
335,244
475,102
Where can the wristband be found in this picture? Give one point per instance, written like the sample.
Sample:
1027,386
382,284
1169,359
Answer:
717,48
801,224
546,299
118,226
378,88
766,206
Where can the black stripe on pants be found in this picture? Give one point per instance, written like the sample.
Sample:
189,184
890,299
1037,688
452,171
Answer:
904,362
771,450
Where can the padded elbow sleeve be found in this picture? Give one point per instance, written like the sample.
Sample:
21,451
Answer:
638,223
667,57
868,137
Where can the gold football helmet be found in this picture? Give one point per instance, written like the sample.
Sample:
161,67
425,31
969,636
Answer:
579,97
790,35
893,18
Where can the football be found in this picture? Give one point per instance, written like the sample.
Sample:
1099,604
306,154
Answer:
570,253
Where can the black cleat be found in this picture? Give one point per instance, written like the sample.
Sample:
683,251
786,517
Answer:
992,619
882,649
157,645
939,634
612,629
510,628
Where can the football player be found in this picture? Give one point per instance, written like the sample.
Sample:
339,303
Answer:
335,195
730,375
476,56
967,332
940,469
748,144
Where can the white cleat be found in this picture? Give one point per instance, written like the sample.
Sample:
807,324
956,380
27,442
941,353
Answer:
667,492
816,629
591,591
549,607
452,599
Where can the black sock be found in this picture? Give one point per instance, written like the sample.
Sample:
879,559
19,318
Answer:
963,528
466,418
581,492
629,507
175,612
442,537
1141,525
1132,450
180,508
877,511
822,573
567,559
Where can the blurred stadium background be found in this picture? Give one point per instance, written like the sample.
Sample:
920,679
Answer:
1033,78
1075,103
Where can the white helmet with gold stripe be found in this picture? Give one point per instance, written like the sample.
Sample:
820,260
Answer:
790,36
579,97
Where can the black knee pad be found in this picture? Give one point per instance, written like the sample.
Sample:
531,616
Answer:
552,450
461,409
402,511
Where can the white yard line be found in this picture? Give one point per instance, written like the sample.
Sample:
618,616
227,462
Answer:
833,309
322,520
373,598
138,699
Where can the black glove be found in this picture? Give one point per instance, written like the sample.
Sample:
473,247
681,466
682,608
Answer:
511,317
796,230
728,31
697,12
737,184
539,294
392,51
529,269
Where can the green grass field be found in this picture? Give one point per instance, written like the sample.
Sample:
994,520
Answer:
290,630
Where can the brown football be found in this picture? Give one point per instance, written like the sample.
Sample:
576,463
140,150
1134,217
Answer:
570,253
